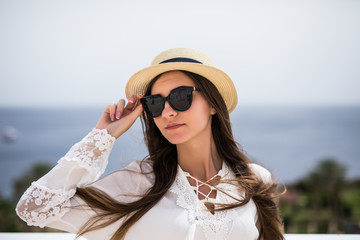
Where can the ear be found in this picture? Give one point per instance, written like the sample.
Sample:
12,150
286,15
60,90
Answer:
212,111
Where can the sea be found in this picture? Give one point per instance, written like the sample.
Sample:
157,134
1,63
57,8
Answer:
289,141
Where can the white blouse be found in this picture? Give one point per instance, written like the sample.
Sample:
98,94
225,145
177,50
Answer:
51,200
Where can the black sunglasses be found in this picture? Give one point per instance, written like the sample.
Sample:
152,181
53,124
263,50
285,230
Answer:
179,99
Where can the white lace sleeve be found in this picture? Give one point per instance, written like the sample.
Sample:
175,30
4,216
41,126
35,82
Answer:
48,199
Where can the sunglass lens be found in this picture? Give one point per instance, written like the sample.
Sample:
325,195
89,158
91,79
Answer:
180,99
153,105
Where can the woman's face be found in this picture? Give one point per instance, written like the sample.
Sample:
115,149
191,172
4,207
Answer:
191,126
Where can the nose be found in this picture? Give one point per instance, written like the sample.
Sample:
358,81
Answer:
168,111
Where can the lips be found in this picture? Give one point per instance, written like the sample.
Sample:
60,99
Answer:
173,126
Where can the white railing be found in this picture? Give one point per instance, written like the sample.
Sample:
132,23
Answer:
69,236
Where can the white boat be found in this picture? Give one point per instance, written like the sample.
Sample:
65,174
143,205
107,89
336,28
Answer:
9,134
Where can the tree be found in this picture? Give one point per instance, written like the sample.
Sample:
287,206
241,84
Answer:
9,221
34,173
325,185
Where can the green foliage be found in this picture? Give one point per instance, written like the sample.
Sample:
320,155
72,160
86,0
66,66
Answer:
34,173
9,221
322,202
351,198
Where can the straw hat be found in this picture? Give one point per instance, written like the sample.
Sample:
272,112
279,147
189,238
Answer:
188,60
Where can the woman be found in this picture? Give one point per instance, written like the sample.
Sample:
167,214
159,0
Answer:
195,183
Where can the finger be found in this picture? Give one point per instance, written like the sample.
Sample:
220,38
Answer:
119,108
112,108
131,103
137,108
125,122
139,97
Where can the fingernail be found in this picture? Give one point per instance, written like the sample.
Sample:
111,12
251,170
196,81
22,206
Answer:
112,117
118,114
132,100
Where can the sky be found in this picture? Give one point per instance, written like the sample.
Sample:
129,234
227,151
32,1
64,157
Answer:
80,53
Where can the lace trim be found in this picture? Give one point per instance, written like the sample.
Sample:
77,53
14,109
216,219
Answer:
215,226
51,204
88,152
41,205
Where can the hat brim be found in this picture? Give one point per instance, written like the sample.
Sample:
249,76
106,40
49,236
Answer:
138,82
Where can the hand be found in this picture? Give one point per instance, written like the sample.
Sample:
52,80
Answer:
118,118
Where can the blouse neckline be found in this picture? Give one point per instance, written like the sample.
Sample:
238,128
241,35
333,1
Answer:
222,172
214,226
195,189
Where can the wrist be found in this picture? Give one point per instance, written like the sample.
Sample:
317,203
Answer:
112,131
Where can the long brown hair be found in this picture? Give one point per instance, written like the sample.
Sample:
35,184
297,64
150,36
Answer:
163,157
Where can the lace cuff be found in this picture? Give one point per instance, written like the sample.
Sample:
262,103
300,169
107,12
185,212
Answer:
41,205
91,153
48,199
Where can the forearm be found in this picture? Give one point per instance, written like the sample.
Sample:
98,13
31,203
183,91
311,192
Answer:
48,199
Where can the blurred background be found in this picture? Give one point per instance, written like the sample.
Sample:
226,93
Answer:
295,65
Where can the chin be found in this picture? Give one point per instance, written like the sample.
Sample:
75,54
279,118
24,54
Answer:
176,140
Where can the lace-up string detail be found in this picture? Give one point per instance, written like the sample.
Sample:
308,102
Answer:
205,191
208,183
215,224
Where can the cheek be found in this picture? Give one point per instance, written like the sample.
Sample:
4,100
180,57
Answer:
201,109
157,122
